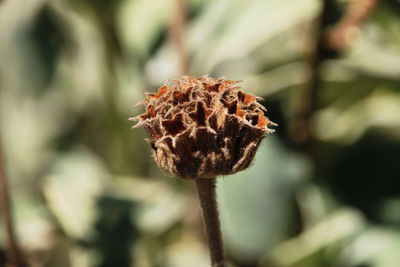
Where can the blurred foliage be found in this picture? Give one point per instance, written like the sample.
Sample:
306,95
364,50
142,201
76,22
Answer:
86,191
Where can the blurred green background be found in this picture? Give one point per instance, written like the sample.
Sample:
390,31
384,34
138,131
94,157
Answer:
86,191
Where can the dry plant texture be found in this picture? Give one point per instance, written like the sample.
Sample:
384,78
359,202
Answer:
203,127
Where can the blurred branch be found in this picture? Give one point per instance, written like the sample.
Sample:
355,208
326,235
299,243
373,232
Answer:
356,14
13,255
300,127
177,35
324,44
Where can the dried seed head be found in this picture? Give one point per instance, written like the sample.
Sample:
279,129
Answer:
202,127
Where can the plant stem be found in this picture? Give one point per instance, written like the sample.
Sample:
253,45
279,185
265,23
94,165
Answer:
13,255
206,189
177,35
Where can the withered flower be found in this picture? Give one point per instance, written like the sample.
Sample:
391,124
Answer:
202,127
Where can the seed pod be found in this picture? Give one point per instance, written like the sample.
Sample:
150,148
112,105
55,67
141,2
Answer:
202,127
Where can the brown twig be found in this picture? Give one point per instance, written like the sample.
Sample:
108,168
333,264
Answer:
206,189
324,43
356,14
177,35
13,255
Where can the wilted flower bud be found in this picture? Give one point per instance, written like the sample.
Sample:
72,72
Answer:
201,127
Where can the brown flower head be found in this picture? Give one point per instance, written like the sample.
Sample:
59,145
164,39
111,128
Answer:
202,127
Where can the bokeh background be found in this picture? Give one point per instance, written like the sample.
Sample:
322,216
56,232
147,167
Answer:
324,190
